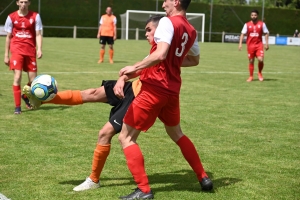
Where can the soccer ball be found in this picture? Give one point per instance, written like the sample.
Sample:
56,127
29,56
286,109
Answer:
44,87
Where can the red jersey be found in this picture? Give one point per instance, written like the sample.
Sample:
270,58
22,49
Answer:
255,33
166,74
23,39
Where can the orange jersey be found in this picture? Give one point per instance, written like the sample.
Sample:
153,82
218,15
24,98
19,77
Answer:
136,86
107,24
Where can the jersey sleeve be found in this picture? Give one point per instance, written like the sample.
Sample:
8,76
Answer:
115,21
164,31
38,23
101,21
194,50
244,30
265,29
8,25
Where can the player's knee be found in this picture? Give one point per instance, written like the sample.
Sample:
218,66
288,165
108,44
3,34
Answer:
105,136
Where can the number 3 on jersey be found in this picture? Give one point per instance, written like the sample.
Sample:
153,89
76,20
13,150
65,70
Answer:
179,51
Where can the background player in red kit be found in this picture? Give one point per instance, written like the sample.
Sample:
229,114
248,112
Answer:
175,45
254,31
23,29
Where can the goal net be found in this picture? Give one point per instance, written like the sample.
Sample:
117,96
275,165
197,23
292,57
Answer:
133,23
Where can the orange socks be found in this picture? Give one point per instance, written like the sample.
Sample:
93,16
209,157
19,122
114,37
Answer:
100,154
102,52
68,97
111,54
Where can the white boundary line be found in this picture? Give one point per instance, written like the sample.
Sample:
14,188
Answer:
189,72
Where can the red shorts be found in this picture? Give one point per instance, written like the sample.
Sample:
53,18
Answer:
255,52
150,104
21,62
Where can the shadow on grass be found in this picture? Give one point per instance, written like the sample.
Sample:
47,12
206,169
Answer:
48,108
270,79
184,180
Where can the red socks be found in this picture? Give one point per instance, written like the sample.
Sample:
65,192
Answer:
190,154
260,66
17,95
251,69
135,163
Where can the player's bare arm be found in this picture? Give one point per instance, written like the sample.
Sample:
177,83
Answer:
115,32
6,52
190,61
39,42
267,41
99,31
157,56
241,41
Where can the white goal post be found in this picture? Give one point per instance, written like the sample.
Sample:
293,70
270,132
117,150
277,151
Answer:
135,20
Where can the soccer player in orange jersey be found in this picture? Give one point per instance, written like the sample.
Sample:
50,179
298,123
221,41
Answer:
23,29
103,94
175,45
254,31
107,33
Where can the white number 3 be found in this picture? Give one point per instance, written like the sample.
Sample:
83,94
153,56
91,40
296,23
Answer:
185,39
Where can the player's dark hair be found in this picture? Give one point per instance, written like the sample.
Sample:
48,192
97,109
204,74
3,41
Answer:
185,4
255,11
154,18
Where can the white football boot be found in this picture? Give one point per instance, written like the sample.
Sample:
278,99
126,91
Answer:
34,102
87,185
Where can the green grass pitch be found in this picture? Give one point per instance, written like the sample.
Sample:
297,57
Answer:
247,134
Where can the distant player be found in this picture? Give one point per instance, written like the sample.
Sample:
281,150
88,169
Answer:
254,31
107,33
24,42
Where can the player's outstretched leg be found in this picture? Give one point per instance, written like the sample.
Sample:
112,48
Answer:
34,102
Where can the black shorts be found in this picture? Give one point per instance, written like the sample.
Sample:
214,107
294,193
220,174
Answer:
106,39
120,106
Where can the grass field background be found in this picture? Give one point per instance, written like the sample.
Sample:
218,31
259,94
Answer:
247,134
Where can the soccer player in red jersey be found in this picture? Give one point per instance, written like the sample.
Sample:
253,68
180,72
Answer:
103,94
23,29
175,45
254,31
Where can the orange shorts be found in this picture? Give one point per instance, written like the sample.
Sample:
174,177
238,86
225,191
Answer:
150,104
21,62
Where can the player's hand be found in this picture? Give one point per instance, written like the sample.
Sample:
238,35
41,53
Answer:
115,37
266,47
39,54
240,47
98,36
118,89
6,60
126,70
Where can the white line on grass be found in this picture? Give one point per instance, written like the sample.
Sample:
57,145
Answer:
189,72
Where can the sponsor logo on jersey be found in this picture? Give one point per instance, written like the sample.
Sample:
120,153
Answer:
254,34
16,22
31,21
